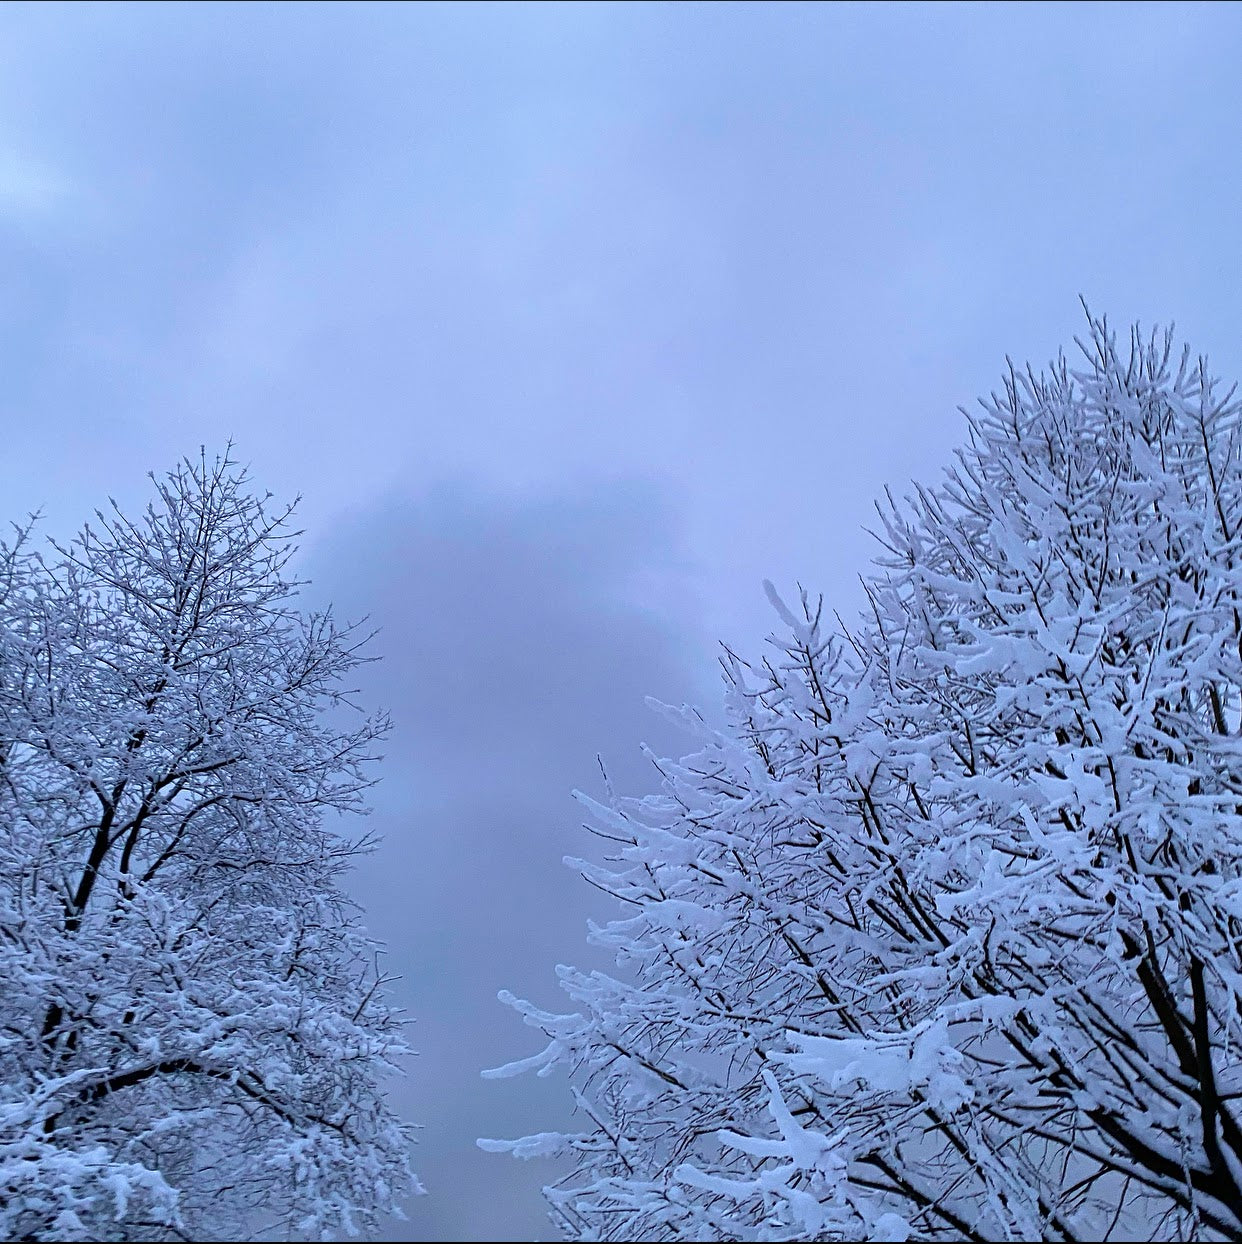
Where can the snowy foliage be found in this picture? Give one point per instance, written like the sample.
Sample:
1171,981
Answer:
192,1027
942,937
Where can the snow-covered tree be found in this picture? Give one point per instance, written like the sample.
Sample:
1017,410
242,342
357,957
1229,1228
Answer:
941,938
192,1022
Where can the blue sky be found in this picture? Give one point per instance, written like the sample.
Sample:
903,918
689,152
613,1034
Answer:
571,323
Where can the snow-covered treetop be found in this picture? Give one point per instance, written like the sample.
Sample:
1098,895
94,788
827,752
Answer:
941,937
192,1026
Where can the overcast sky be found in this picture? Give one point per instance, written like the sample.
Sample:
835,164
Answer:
571,324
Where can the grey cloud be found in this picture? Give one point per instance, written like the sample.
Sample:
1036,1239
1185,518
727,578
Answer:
518,640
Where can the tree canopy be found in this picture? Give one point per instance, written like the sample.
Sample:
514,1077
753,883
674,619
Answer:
192,1021
941,938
